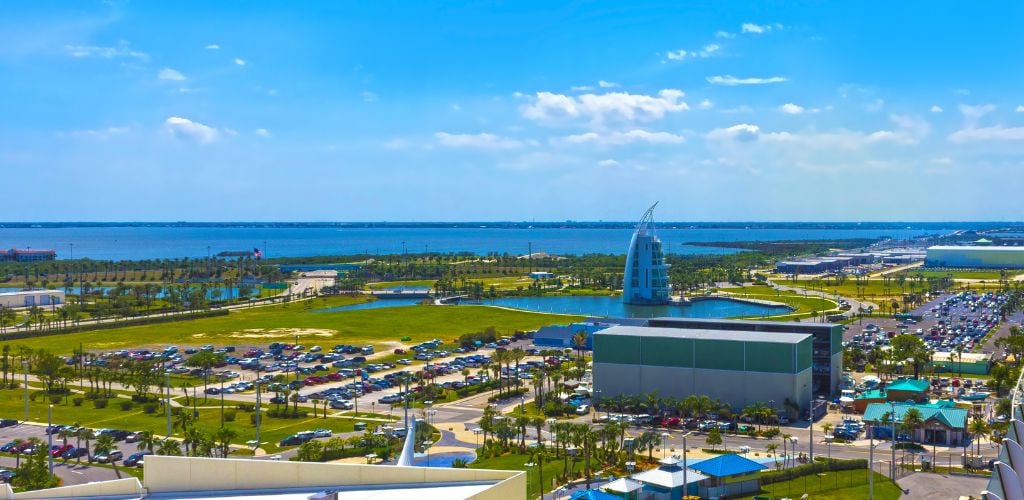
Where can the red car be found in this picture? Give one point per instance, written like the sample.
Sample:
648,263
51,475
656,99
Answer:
334,376
57,452
670,422
399,351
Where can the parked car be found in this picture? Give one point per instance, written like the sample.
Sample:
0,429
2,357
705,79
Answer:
135,458
322,433
106,458
8,422
75,453
59,451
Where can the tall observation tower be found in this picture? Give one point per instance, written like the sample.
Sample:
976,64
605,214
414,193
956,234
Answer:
646,276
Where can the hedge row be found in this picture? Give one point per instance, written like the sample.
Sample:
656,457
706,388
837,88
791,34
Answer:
817,467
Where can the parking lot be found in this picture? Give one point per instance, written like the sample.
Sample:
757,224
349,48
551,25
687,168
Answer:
946,322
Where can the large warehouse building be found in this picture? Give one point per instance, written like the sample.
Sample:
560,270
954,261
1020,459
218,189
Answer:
738,367
981,256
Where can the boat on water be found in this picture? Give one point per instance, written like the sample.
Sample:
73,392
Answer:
973,396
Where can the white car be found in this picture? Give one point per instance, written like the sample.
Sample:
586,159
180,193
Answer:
582,409
404,361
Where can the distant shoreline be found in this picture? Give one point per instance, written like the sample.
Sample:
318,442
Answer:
668,225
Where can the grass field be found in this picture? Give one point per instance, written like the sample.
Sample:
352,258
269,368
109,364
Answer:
842,485
273,429
392,284
805,306
517,461
382,327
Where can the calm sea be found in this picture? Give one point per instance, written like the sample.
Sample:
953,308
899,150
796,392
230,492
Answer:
120,243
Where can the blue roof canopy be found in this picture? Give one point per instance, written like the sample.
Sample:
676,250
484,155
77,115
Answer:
727,465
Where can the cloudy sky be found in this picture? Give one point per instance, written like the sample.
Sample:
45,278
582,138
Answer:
353,111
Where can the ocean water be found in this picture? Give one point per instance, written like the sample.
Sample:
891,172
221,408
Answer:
122,243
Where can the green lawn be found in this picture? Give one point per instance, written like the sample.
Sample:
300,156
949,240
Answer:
842,485
804,305
553,467
273,429
382,327
391,284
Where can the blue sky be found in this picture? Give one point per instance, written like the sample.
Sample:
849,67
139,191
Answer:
351,111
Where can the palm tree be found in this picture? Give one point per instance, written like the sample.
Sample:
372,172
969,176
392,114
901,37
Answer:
148,440
86,435
223,436
192,439
170,447
104,446
912,421
772,450
785,454
827,429
978,428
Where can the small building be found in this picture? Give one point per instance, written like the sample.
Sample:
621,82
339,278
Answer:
988,257
669,480
562,336
27,255
900,390
541,275
729,475
944,423
30,298
974,363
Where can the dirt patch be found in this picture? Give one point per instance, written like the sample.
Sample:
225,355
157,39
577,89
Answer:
271,333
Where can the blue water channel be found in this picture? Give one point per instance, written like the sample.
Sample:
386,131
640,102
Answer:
443,459
601,306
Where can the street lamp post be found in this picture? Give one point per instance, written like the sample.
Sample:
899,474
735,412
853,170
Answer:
221,401
167,401
686,485
892,418
664,444
529,466
24,368
49,437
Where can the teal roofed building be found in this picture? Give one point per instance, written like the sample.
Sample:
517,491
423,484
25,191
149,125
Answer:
944,423
899,390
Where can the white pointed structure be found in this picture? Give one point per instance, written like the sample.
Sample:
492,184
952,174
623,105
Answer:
645,281
409,447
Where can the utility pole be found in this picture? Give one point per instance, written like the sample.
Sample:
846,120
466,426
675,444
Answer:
167,405
892,467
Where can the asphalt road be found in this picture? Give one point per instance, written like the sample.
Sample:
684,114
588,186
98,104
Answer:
70,473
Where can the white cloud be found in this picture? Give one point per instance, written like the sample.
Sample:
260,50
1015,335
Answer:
791,109
743,108
730,80
1020,109
262,132
620,138
549,107
97,134
704,53
122,50
909,131
185,129
756,29
581,88
607,85
478,141
232,132
608,163
706,104
974,113
213,46
875,106
995,133
170,74
740,132
239,61
368,96
724,34
935,108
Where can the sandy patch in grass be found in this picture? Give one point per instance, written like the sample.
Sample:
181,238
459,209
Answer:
269,333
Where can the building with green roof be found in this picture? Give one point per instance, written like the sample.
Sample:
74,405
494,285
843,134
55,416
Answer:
900,390
735,366
944,422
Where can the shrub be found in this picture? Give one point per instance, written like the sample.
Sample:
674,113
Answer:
99,403
150,408
146,398
56,399
125,404
812,468
247,407
77,401
229,415
91,396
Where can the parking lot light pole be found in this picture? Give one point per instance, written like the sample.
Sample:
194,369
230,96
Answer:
167,400
222,401
664,444
49,437
24,368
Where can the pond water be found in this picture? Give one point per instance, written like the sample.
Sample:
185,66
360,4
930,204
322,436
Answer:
602,306
443,459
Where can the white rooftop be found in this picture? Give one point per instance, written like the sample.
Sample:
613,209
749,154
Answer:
703,334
